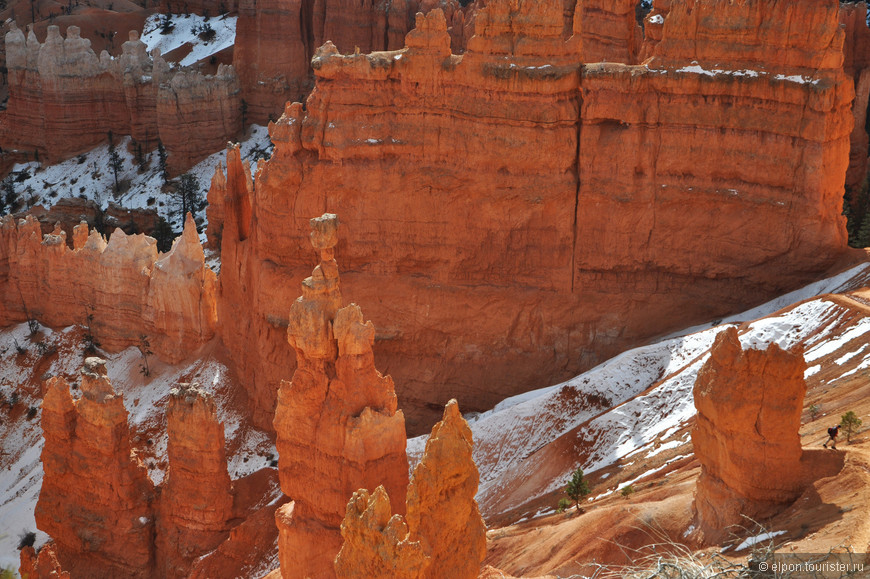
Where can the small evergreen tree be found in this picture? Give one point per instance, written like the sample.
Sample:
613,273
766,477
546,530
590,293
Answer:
164,235
188,195
850,423
114,160
161,162
144,347
577,487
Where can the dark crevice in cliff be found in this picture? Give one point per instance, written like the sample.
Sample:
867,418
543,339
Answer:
386,40
306,27
576,189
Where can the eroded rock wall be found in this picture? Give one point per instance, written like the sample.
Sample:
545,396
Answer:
121,289
555,208
337,425
64,100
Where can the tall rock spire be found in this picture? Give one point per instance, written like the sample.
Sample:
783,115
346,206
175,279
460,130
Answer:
337,425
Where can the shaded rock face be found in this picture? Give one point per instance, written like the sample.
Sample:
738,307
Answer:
856,62
444,529
196,503
746,435
96,497
64,99
337,425
554,204
126,286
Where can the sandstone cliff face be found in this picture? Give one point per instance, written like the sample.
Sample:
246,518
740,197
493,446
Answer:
551,203
126,286
196,502
444,528
63,99
107,529
746,435
856,60
336,422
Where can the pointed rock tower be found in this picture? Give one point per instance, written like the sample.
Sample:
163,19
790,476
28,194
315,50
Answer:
337,425
444,529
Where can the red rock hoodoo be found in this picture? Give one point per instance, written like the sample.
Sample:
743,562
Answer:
42,565
444,528
107,531
126,286
196,502
64,100
554,204
746,435
337,426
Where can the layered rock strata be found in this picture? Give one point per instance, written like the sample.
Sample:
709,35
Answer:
337,425
196,502
121,289
746,434
96,497
64,99
444,529
554,204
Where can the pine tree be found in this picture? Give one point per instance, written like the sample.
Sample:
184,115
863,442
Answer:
577,487
850,424
114,160
161,162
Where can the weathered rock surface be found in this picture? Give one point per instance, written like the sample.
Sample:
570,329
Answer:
746,435
337,425
196,501
856,60
96,497
550,203
72,211
64,99
125,285
42,565
444,529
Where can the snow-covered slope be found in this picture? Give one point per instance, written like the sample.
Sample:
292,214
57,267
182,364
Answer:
637,404
185,30
89,176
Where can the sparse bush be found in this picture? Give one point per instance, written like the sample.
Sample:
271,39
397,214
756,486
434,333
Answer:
814,411
31,412
144,347
26,540
166,25
32,326
90,342
19,348
564,504
627,490
850,424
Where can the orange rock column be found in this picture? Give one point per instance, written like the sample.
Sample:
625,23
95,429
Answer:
746,435
197,498
337,425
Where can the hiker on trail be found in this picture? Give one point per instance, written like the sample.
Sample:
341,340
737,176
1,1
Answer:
832,437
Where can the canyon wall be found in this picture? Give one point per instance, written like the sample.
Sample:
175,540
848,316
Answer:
64,100
856,63
337,425
564,212
125,286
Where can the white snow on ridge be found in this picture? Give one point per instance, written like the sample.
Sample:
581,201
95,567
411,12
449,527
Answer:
90,176
508,437
182,32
